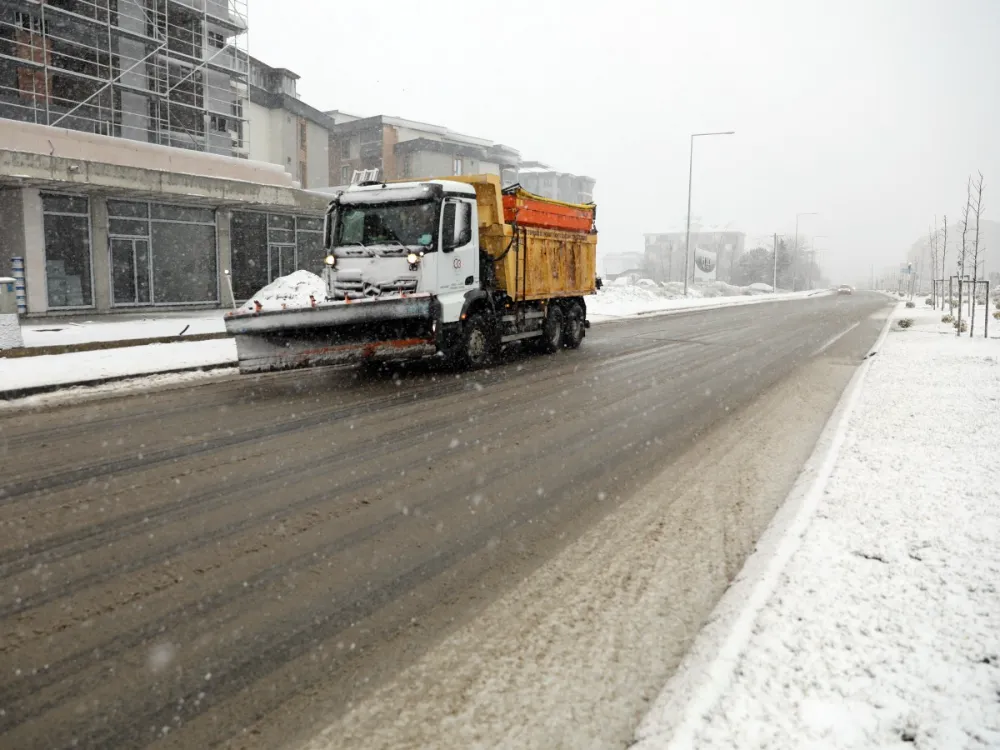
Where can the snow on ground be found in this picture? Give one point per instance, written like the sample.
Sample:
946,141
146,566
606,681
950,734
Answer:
114,328
625,301
138,384
289,291
78,367
884,627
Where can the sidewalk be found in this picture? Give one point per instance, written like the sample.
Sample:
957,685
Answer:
883,627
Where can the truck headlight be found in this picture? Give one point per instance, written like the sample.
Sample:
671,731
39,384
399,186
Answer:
330,260
413,259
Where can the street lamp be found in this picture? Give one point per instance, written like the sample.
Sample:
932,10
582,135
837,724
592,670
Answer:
812,256
687,233
796,246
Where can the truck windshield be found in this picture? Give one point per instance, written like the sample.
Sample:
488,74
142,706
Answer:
388,224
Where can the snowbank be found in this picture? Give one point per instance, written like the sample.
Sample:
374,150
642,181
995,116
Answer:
289,291
881,630
624,301
79,367
120,328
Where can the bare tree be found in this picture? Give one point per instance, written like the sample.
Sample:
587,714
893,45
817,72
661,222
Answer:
932,245
944,259
976,207
963,248
964,224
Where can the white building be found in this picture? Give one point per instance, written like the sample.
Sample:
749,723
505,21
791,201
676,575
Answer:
541,179
285,130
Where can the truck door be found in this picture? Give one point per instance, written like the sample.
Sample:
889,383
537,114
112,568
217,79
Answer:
458,266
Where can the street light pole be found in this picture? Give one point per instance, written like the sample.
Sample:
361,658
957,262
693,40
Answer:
812,256
796,246
687,231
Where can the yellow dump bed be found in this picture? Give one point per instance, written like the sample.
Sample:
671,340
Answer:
533,262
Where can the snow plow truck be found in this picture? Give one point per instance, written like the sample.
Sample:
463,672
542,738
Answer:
454,267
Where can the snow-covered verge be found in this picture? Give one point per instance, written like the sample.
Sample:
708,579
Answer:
613,301
19,373
120,328
882,628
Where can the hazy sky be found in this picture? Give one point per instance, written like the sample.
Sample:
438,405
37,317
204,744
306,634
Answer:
870,112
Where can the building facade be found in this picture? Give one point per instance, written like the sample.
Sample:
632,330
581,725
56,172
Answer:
101,224
285,130
541,179
717,250
169,72
402,149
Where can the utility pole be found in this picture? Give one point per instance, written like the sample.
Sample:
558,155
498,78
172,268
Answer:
774,284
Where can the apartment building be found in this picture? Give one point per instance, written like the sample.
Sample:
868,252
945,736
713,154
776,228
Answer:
169,72
285,130
401,148
541,179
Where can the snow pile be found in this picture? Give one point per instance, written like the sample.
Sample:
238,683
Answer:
121,328
624,300
287,292
882,631
81,367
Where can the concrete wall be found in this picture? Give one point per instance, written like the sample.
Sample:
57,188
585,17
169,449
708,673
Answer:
318,156
36,288
260,133
11,228
29,138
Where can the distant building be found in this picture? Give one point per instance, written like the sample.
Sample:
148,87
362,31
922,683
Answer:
541,179
285,130
619,264
400,149
721,248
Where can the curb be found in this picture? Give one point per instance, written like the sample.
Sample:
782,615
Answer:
91,346
34,390
705,673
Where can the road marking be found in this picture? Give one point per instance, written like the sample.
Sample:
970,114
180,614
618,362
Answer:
835,339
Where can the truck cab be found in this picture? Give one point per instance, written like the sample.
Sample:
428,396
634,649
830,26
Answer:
386,240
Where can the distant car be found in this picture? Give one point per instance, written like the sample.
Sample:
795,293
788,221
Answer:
844,289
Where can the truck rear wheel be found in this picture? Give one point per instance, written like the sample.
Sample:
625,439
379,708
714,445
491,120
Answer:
574,328
476,345
552,330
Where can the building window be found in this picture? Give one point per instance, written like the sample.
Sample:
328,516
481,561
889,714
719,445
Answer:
457,166
266,246
345,147
217,40
345,175
303,176
162,254
302,134
220,124
66,228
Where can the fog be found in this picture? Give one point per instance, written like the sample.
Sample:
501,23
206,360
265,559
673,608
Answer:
870,113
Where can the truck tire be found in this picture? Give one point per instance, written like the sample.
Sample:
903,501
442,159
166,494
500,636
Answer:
476,346
573,328
552,330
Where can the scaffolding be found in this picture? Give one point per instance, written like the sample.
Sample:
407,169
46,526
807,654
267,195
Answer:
171,72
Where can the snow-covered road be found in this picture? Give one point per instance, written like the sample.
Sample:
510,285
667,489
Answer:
884,627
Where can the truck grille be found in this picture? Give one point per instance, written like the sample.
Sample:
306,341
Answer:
364,289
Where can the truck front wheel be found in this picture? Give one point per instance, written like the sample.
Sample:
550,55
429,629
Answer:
476,344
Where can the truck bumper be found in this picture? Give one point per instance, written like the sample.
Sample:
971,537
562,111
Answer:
335,333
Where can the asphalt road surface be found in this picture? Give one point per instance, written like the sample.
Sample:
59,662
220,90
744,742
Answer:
179,567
